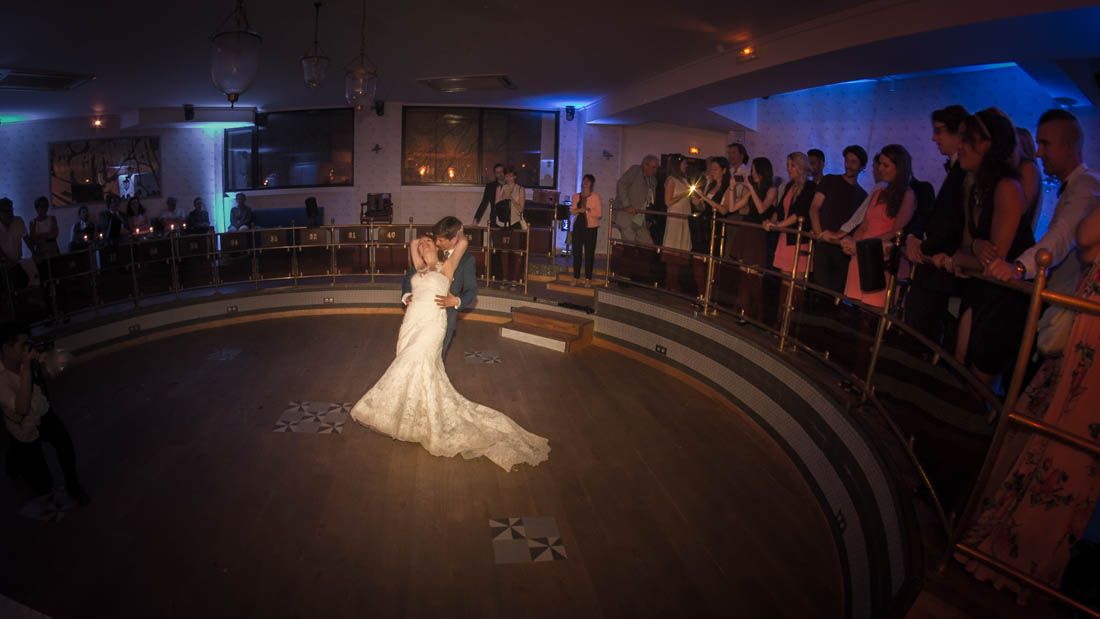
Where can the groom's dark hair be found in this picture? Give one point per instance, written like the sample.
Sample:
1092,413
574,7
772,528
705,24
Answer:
447,228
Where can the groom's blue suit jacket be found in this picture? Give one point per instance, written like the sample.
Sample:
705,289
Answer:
463,286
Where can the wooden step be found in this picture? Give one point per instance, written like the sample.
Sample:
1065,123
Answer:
567,275
545,338
566,324
578,290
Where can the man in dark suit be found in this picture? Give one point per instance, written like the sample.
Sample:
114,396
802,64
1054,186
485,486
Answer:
490,196
463,293
926,302
926,198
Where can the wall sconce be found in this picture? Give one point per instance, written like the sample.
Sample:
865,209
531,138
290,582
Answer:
607,155
97,123
746,53
377,148
570,112
693,150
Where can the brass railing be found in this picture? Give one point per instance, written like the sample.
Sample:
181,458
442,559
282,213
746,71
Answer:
887,319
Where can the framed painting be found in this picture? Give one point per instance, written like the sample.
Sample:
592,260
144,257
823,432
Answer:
83,171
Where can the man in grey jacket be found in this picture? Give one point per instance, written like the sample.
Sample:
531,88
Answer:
636,192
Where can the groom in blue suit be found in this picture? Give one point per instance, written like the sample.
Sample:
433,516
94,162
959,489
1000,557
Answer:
463,293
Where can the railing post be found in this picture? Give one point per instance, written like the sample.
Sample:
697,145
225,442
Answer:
1043,258
133,273
607,248
883,323
785,326
708,288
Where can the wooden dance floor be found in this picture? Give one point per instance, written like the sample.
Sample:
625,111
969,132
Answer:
666,503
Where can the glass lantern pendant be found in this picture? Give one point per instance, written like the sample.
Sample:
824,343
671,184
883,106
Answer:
235,55
361,78
314,61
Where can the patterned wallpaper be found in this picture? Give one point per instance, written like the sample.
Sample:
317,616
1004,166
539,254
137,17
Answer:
190,163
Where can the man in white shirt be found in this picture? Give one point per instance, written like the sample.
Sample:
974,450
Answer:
170,218
13,235
1061,144
30,420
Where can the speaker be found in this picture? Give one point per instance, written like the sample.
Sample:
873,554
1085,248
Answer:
188,111
570,112
379,107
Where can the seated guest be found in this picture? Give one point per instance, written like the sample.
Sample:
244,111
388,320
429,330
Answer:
587,209
83,231
931,288
992,317
889,212
749,245
29,418
135,216
1042,491
635,192
817,165
43,234
198,220
1030,176
170,218
13,234
112,225
1061,143
836,199
313,213
794,203
240,216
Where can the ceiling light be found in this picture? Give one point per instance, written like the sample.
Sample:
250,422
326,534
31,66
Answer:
462,83
235,54
746,53
361,79
314,61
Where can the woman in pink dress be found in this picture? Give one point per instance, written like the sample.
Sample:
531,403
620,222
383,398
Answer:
795,203
1043,491
889,212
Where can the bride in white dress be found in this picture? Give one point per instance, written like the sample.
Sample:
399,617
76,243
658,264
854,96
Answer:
414,400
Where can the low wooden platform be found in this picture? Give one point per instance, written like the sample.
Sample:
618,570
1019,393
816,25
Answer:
549,329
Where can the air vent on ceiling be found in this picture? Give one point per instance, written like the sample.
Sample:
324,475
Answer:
31,79
462,83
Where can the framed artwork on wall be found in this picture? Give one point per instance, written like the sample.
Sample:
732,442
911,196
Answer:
83,171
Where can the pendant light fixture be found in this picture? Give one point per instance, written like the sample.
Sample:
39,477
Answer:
235,54
314,61
361,79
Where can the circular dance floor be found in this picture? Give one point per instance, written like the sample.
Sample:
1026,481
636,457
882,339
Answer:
217,492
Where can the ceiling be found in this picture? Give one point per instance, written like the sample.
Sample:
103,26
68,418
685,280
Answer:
647,63
156,53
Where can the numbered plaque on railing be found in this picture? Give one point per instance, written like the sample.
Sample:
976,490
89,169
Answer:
475,236
198,245
511,240
390,235
313,236
155,250
280,237
115,257
352,235
236,241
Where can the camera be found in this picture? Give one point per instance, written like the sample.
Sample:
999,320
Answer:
739,178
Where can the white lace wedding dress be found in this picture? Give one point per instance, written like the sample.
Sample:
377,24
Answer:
414,400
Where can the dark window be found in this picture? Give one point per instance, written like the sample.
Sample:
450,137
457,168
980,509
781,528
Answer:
460,146
312,148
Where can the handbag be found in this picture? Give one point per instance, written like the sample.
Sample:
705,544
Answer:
872,267
502,212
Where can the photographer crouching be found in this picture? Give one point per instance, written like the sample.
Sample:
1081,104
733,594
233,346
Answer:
28,417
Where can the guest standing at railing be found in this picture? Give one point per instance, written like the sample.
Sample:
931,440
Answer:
135,216
1031,178
198,220
43,234
992,317
677,227
750,244
738,158
313,213
715,198
240,216
837,196
112,225
488,197
1042,491
587,211
931,288
83,231
1061,147
170,219
636,192
815,158
890,210
798,193
13,234
508,212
